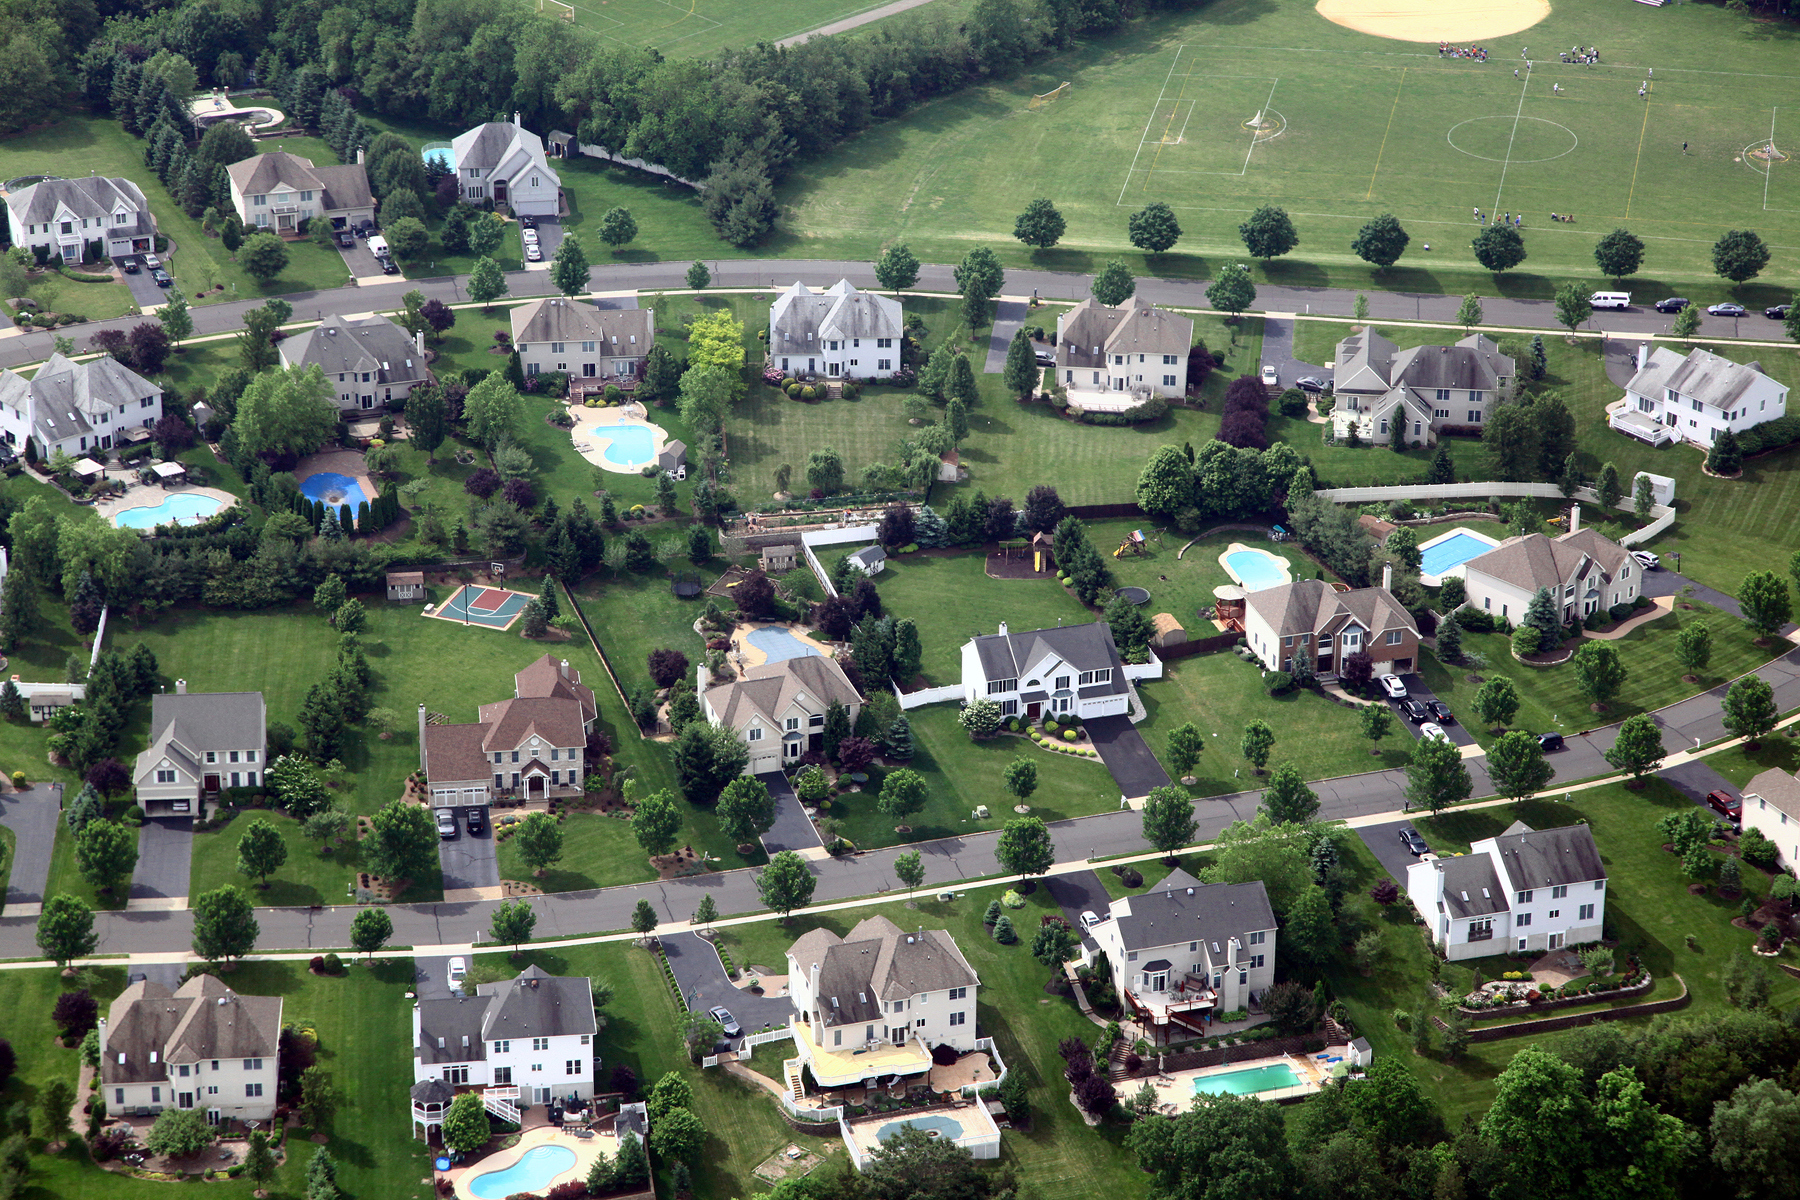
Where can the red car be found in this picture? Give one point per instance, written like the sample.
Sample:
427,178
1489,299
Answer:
1726,805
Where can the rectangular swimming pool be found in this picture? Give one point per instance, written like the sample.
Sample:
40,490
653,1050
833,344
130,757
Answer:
1452,552
1248,1081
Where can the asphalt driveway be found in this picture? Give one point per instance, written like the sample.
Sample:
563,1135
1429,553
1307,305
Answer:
468,860
1123,749
550,236
1416,690
361,262
1384,843
1078,893
32,816
144,292
165,851
1278,351
1008,316
792,830
1695,779
703,982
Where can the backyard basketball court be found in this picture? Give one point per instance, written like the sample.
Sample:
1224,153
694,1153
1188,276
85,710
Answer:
489,607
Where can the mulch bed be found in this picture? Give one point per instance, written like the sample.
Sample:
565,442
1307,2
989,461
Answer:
1002,566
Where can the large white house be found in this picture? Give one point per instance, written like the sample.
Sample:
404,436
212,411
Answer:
1584,572
200,743
778,708
367,360
1329,625
533,745
1185,950
67,216
524,1040
1526,890
878,1000
840,331
1772,805
1073,670
201,1047
1383,393
78,408
1110,359
505,163
1695,397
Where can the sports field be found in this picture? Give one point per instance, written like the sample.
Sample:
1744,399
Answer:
1244,103
689,28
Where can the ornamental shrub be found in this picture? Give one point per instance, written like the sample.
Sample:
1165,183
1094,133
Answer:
1068,735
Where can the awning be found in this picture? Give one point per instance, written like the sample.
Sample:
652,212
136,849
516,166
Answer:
87,466
1228,591
169,470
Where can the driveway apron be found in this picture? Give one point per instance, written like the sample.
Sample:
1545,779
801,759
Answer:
1123,749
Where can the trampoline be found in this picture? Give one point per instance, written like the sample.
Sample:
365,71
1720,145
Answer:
1133,595
685,589
492,608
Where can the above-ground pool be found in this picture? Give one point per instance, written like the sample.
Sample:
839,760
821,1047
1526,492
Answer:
182,506
332,488
778,644
1256,570
935,1124
1451,550
1248,1081
534,1170
630,445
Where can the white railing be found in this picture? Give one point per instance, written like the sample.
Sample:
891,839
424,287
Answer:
500,1102
924,696
1662,515
1000,1067
763,1039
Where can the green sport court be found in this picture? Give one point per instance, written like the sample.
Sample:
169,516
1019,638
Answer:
492,608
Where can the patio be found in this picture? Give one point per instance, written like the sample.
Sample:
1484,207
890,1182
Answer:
1175,1089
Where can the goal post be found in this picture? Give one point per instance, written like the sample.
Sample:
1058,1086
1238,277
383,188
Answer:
1060,90
558,7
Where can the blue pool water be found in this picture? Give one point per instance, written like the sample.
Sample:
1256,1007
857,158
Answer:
631,445
1255,570
945,1127
332,488
183,506
1453,551
779,644
531,1173
1248,1081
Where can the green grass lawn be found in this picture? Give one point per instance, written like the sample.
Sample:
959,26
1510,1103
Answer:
95,301
362,1021
598,851
308,877
65,876
707,26
1551,698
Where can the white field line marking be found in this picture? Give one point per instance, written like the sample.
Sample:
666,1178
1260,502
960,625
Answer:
1512,137
1182,136
1148,123
1265,108
1769,167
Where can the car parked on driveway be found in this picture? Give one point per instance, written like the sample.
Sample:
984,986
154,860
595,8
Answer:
1392,686
1269,377
475,821
1672,304
150,260
1414,711
1440,712
1089,918
723,1016
1646,560
1409,837
133,266
446,824
161,277
346,238
528,222
1431,731
1725,310
459,970
1045,358
1726,805
533,253
1310,383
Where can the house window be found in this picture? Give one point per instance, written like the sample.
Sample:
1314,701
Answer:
1062,683
165,777
571,1066
515,756
558,348
587,347
837,1037
753,735
1599,885
1553,914
1559,891
260,201
793,723
816,721
1482,930
1477,397
996,686
956,1018
1393,637
1522,920
1168,381
503,1047
884,364
1009,708
1256,937
1585,913
959,993
1524,898
456,1075
1256,960
502,1076
1443,393
252,1090
1474,416
1091,677
540,1044
253,1064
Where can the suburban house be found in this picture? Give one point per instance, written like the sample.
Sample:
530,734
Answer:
1695,397
1772,804
1184,951
870,560
1524,891
200,743
505,163
408,587
1073,669
367,360
1584,571
878,1000
203,1047
281,192
76,220
840,331
532,745
1307,614
606,345
521,1041
778,708
1418,392
78,408
1115,358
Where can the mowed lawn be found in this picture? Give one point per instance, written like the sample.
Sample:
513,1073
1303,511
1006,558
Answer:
704,27
307,877
598,851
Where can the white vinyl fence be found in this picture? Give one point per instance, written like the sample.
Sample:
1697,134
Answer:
1663,515
833,537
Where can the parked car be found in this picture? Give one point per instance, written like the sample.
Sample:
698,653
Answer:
530,236
1269,377
346,238
475,821
1440,712
1672,304
533,253
150,260
1646,560
446,823
1725,310
1414,711
1726,805
723,1016
1089,918
1777,312
528,222
133,266
459,968
1550,741
1409,837
1310,383
1431,731
388,267
1045,358
1392,686
161,278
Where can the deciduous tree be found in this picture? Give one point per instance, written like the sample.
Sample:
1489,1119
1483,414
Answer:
370,930
1268,233
897,268
618,227
1154,228
979,278
1499,248
1287,799
1381,241
1436,775
1169,822
1115,284
1739,254
65,929
1618,254
1572,306
261,851
1516,765
1599,671
225,923
1638,748
1040,226
512,923
1185,746
540,842
1257,742
1232,290
1749,709
786,883
569,266
1025,847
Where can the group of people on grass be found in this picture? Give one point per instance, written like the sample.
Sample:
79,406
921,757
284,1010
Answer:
1478,53
1516,220
1581,54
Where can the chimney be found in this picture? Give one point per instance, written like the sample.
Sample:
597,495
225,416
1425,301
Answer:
1643,355
516,121
565,668
1574,517
419,343
359,156
422,765
181,687
1387,576
1003,629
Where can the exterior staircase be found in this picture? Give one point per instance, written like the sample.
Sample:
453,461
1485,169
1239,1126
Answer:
796,1091
501,1102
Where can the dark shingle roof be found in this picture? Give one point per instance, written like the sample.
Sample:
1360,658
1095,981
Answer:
93,197
879,961
1088,647
450,1021
1182,909
1538,858
1471,888
538,1004
341,345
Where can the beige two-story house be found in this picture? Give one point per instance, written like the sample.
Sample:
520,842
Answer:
280,192
1584,571
841,331
1528,890
76,407
1695,397
202,1047
533,745
1382,393
369,361
1115,358
504,163
1330,625
589,343
778,708
200,744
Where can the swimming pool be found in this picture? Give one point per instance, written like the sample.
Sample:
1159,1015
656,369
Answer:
1256,570
1452,550
935,1123
332,488
779,645
1248,1081
631,445
183,506
535,1168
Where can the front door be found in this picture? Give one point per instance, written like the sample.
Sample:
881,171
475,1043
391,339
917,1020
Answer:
285,222
210,783
1031,711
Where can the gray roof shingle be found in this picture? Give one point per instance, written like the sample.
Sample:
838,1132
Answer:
96,197
1181,909
878,961
1536,858
799,321
1087,647
1471,888
354,345
1700,375
623,332
1090,331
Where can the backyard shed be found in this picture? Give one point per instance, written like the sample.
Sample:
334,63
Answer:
778,560
673,459
1169,631
406,586
870,560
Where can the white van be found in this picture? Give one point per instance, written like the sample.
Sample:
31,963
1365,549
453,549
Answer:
1608,299
379,248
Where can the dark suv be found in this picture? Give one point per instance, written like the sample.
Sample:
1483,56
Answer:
1673,304
1550,741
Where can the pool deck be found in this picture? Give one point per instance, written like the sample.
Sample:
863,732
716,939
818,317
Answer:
339,462
745,654
978,1128
1286,565
1456,571
140,495
591,436
1175,1090
586,1151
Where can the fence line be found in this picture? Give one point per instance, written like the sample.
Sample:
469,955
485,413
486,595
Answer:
1663,514
99,635
600,652
924,696
833,537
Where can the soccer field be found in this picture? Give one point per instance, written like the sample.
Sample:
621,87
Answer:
1241,104
688,28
